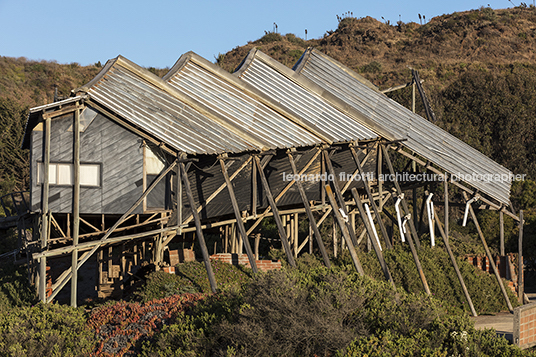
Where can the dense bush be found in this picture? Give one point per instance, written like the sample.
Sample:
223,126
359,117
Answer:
192,277
45,330
15,291
441,277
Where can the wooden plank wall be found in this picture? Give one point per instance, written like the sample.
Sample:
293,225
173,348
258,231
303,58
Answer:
104,142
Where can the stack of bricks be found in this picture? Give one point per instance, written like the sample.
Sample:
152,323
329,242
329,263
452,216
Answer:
235,259
504,265
181,256
242,259
525,325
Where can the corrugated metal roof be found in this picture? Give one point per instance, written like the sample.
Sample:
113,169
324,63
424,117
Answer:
297,95
242,106
148,102
423,137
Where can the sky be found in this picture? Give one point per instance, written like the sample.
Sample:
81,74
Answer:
157,33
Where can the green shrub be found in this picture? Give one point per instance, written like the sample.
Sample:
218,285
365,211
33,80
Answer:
441,277
15,290
45,330
192,277
270,37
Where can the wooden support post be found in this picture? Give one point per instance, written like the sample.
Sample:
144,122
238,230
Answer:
344,230
399,192
253,189
338,193
310,237
44,211
520,270
371,198
238,217
488,254
446,208
312,222
257,242
76,206
380,186
296,232
455,265
370,232
199,231
178,190
335,246
501,232
277,218
412,227
420,226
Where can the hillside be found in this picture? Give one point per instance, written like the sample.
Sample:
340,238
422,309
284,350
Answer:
479,69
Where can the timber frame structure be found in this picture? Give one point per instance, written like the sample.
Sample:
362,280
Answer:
132,162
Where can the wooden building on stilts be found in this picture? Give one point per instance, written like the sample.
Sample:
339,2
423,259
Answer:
131,163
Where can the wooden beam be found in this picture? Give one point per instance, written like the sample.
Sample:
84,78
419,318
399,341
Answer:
520,270
501,232
89,245
199,230
455,265
446,208
488,254
76,207
344,230
377,248
412,227
238,217
388,243
277,218
44,210
338,193
310,216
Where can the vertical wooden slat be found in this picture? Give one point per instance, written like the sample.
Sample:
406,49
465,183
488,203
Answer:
76,206
178,190
253,189
198,229
344,230
520,270
277,218
488,254
501,232
380,186
446,187
296,231
238,217
44,211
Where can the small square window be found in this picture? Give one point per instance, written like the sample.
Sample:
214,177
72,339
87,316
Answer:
90,175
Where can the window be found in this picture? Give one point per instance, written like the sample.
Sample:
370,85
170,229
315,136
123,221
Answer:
153,164
63,174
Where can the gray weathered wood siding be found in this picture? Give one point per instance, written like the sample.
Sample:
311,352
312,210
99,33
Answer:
117,150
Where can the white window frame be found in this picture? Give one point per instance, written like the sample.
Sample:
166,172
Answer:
55,168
